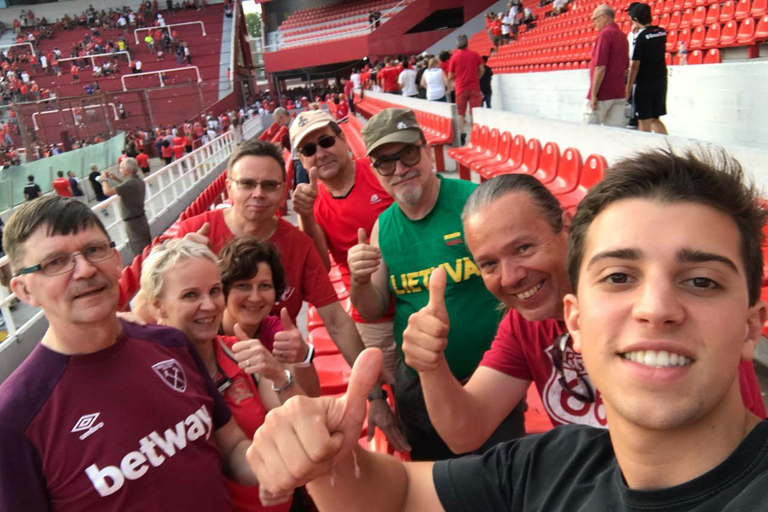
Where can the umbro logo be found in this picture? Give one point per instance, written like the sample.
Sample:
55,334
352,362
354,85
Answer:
88,423
171,372
375,199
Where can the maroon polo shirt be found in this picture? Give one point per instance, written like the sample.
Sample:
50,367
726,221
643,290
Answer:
612,51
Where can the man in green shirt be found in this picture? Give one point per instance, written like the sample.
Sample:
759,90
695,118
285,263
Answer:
422,231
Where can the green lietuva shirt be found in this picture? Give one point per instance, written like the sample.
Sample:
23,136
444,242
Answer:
413,249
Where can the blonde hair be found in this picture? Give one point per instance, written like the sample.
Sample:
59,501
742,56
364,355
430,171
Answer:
434,62
165,257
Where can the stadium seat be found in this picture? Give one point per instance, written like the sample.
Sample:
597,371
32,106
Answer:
549,160
313,318
695,57
334,274
697,38
530,157
477,137
713,14
687,19
713,35
668,59
743,10
671,41
664,20
712,57
678,5
491,148
674,20
591,173
669,6
699,16
513,162
759,8
341,290
324,345
729,35
746,34
501,156
761,33
727,11
333,373
568,173
684,36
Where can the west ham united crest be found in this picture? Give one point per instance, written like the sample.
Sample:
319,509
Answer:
171,373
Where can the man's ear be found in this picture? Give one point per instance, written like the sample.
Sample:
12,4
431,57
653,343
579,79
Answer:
754,329
571,314
567,219
20,288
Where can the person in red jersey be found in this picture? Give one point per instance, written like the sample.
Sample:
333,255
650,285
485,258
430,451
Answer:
465,68
143,160
61,185
387,77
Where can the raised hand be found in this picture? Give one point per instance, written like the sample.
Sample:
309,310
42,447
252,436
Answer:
289,346
253,357
363,259
301,440
426,337
200,236
305,195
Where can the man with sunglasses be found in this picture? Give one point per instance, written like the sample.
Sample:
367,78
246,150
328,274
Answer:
419,233
103,414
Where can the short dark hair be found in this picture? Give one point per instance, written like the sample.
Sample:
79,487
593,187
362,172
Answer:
239,261
61,215
256,147
30,178
491,190
711,178
60,174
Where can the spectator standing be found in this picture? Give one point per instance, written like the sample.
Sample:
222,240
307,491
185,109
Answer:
407,81
607,71
143,160
348,93
648,72
387,77
465,68
61,185
77,191
94,177
132,191
485,83
434,81
31,189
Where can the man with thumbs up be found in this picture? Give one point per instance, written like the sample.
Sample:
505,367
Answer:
341,198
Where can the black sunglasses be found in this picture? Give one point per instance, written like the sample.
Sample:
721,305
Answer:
325,142
558,349
410,155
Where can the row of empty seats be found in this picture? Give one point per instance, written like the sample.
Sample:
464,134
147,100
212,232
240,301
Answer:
305,17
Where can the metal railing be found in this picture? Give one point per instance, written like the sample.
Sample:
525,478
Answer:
164,188
136,32
159,74
93,60
87,107
31,48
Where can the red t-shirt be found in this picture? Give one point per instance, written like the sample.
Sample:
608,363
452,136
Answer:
166,151
612,51
242,397
61,186
496,27
348,88
342,110
340,218
523,349
464,64
389,74
143,160
178,151
305,274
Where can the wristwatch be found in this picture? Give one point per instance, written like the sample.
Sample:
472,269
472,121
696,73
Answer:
307,362
287,385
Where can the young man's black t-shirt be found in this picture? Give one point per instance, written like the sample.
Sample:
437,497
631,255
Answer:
650,45
32,191
573,469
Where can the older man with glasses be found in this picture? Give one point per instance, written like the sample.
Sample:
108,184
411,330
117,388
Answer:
607,71
421,232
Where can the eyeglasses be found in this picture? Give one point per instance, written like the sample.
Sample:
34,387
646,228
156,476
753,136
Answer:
325,142
558,349
410,155
594,18
250,185
63,263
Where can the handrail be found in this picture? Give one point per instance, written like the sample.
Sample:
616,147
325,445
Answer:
31,48
34,119
93,62
136,32
159,74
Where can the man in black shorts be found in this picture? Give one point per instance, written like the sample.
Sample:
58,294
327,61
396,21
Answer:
648,71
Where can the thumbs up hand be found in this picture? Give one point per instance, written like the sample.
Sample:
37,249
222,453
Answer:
301,440
200,236
363,259
253,357
426,337
305,195
289,346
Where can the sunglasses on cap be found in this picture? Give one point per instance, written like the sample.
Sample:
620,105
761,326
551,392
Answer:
310,148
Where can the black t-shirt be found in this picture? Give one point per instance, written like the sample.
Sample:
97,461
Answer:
32,191
573,468
485,80
650,45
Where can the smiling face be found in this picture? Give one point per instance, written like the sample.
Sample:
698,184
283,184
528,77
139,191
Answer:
256,205
192,299
251,300
408,183
521,259
662,312
86,294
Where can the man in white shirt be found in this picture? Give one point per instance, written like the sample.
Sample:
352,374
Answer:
407,81
355,77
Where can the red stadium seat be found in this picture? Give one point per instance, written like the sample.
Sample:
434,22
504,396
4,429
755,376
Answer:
674,20
697,38
531,157
333,372
513,162
505,146
668,59
713,35
761,33
684,36
712,57
324,345
334,274
548,163
730,33
568,173
699,16
491,148
695,57
687,19
713,14
591,173
727,11
340,289
478,139
743,10
759,8
746,34
313,318
671,41
664,20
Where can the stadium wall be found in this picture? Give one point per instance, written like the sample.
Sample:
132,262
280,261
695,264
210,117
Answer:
719,103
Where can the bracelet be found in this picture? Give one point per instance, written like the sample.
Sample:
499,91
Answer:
307,362
378,394
287,385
